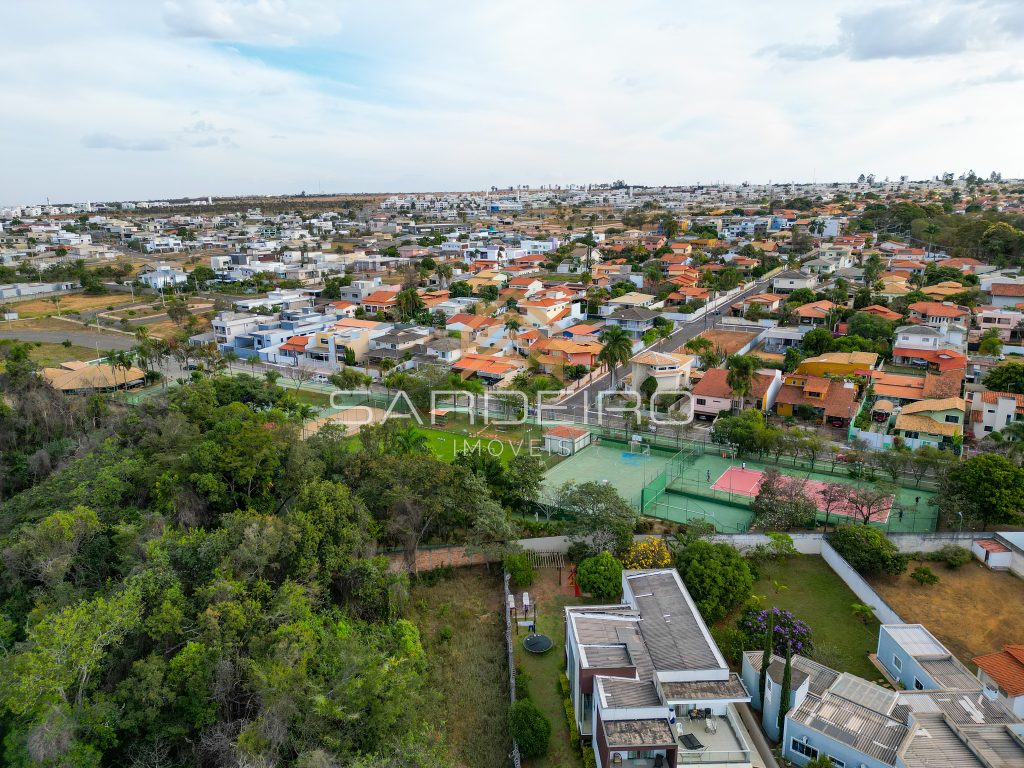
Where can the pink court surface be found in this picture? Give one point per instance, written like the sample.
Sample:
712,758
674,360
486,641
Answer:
747,482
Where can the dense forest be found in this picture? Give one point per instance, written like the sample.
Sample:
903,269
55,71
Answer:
190,583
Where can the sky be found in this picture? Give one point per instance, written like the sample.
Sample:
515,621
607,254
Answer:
129,99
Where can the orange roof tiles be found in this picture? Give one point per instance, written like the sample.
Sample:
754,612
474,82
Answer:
1005,667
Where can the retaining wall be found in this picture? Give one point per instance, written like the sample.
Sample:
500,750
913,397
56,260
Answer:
883,611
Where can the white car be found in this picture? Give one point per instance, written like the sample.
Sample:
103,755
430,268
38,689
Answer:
321,378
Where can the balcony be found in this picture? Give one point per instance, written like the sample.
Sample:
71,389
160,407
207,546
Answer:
723,739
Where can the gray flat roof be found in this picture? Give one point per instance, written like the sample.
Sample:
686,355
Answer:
638,733
674,633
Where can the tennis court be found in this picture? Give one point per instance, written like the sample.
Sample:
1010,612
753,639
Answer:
747,482
609,462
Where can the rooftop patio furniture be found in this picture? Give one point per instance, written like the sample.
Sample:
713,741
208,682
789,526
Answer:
691,742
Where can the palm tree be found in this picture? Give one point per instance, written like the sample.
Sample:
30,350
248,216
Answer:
1010,439
408,303
618,348
411,440
512,325
444,274
740,377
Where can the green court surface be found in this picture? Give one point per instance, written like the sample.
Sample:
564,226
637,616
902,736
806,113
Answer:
691,477
611,462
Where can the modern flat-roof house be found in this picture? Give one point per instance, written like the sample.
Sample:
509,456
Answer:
648,683
941,717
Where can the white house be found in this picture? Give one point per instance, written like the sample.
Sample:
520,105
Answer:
564,440
991,411
163,276
792,280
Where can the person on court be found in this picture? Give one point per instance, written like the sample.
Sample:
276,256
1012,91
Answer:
709,475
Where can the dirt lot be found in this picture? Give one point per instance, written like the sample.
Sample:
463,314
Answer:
72,302
971,610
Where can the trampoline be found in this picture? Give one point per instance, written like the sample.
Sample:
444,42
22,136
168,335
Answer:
537,643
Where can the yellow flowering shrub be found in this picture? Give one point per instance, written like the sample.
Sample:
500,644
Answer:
651,552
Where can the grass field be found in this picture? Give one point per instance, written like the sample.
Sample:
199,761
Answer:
543,670
48,355
972,610
814,593
462,631
53,324
71,302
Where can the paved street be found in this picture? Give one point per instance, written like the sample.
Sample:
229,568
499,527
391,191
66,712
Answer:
586,398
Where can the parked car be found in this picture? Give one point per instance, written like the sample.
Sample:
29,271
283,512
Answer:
321,378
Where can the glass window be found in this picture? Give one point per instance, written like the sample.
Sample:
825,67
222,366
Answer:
918,685
836,762
896,662
804,749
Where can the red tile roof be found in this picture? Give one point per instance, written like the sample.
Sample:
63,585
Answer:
713,384
1005,667
1007,289
943,359
565,432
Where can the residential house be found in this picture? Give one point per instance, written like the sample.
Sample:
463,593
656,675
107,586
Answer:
831,401
991,411
163,276
942,291
940,716
938,313
584,332
712,395
489,369
883,312
1006,294
635,321
639,672
815,313
526,285
1002,675
633,299
77,377
1005,320
555,352
780,338
671,370
901,389
791,280
931,422
839,364
768,302
550,313
935,360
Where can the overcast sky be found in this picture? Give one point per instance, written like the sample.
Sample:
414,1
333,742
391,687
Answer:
105,100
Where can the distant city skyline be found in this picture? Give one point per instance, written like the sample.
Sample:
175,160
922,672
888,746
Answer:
129,101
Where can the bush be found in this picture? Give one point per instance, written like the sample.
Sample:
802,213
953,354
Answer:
731,641
924,576
651,552
579,551
563,685
589,760
717,576
953,556
445,634
529,728
600,576
522,683
790,633
868,550
519,568
570,718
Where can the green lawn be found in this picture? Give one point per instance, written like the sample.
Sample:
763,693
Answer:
543,670
462,630
48,355
814,593
445,445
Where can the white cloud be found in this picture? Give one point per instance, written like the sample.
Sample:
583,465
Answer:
273,97
276,22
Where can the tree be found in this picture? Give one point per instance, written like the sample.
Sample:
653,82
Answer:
817,342
617,349
716,575
1008,377
529,727
600,576
924,576
867,550
177,311
869,326
782,502
651,552
598,514
787,682
766,660
990,343
408,303
740,376
987,488
834,497
868,503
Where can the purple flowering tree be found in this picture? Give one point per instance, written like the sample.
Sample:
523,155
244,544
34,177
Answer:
791,633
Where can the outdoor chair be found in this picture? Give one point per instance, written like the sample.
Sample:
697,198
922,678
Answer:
659,761
691,742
